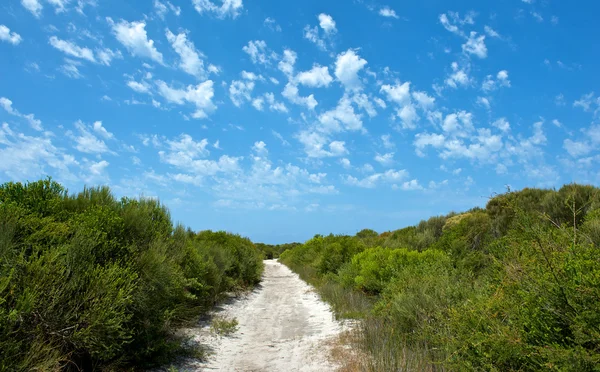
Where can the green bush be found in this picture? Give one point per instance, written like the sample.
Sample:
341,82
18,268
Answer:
91,282
512,287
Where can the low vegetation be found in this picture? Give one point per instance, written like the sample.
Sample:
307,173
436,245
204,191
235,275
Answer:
223,326
512,287
90,282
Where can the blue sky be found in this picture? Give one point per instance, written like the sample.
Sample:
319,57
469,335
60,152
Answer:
279,119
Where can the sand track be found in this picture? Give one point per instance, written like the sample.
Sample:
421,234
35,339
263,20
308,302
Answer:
283,326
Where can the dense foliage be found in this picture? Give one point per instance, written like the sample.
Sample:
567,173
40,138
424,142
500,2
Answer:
512,287
91,282
271,251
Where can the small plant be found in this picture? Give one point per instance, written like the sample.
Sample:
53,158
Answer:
223,326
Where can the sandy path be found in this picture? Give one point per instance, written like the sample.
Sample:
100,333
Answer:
282,327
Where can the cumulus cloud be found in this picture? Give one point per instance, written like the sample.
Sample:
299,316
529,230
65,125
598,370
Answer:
286,65
327,23
190,61
8,36
317,145
341,118
72,49
291,92
257,50
390,176
347,66
200,96
388,12
316,77
133,36
34,6
162,9
240,91
6,104
228,8
459,76
86,141
475,45
385,159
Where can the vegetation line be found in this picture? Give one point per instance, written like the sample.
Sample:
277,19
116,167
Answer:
89,282
512,287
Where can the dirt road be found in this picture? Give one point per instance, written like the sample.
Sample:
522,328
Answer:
283,326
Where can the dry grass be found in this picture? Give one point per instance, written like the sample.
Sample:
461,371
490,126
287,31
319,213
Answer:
367,347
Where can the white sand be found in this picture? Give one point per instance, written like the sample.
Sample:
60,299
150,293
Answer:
283,326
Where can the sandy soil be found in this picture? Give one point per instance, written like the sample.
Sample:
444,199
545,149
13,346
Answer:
283,326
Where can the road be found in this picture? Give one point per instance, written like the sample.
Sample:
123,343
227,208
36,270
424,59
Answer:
283,326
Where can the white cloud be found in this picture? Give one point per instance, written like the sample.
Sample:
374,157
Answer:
240,91
251,76
59,5
502,124
484,102
291,92
347,66
399,93
260,148
26,157
327,23
408,115
272,24
99,128
99,167
190,60
411,185
72,49
385,159
491,32
424,101
257,50
459,76
312,34
389,176
8,36
140,87
278,135
458,123
106,55
345,163
387,143
86,141
363,102
162,9
490,84
274,105
34,6
316,144
200,95
475,45
423,140
228,8
6,104
286,65
388,12
585,102
341,118
452,20
317,77
380,102
258,103
538,17
134,37
70,68
577,149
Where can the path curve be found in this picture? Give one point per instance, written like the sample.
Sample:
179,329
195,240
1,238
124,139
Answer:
283,326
